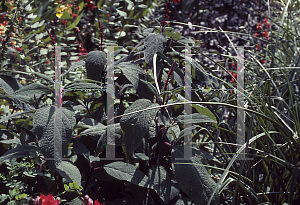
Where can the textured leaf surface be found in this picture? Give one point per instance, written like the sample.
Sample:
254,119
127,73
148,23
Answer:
18,152
193,178
153,44
9,84
44,127
133,73
136,125
33,88
146,90
129,173
69,171
162,180
95,62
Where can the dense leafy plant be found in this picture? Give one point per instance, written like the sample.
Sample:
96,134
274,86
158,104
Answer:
149,117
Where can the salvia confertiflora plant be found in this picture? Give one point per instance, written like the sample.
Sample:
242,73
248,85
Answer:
149,121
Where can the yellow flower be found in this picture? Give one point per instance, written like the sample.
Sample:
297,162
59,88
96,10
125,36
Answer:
2,29
60,10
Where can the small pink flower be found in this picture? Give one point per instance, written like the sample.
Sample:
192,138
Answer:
265,20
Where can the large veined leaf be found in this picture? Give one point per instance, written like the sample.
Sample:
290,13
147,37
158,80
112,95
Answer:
33,88
18,152
153,44
44,127
129,173
80,148
162,180
135,126
133,73
94,131
9,84
69,171
192,177
146,90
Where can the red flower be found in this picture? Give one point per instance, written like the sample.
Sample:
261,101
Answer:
265,20
256,34
60,2
258,26
263,61
176,1
48,200
19,49
257,46
265,34
268,25
47,62
64,21
75,16
77,8
97,202
5,23
20,18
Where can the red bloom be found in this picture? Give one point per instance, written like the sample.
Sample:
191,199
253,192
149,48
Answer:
19,49
5,23
77,8
176,1
263,61
75,16
268,25
257,46
265,34
258,26
20,18
48,200
97,202
265,20
256,34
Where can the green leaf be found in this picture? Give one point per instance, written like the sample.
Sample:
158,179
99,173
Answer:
75,22
153,44
146,90
192,177
83,86
196,118
74,66
18,152
133,73
121,13
9,84
66,187
33,88
129,173
44,127
135,126
70,172
162,180
80,148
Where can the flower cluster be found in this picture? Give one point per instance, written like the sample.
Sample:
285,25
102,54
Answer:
262,29
45,200
234,74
